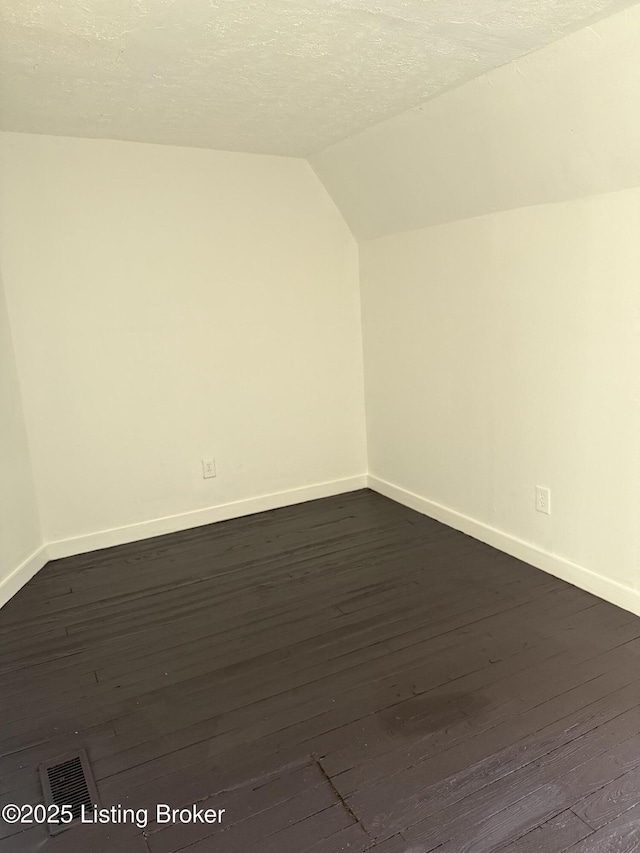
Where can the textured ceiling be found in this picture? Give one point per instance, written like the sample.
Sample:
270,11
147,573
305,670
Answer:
273,76
557,125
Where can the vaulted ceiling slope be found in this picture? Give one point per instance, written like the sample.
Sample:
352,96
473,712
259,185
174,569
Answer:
559,124
271,76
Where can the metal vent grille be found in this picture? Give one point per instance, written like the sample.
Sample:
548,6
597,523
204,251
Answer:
68,781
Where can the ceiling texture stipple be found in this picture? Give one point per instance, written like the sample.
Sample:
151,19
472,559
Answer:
269,76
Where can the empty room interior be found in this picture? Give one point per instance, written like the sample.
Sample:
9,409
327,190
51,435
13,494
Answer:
320,426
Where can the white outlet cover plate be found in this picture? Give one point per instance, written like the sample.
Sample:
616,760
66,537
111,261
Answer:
208,468
543,499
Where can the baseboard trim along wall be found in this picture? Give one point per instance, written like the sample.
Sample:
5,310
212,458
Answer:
604,588
22,574
609,590
200,517
171,524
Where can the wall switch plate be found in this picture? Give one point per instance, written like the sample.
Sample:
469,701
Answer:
208,468
543,499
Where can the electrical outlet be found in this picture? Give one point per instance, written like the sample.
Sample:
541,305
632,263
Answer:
208,468
543,499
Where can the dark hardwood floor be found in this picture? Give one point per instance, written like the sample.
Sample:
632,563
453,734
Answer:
344,675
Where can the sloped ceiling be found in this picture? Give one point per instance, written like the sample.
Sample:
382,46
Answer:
559,124
268,76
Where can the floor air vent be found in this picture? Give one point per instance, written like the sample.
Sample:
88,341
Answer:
68,781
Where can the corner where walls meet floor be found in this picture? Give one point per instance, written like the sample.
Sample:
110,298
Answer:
605,588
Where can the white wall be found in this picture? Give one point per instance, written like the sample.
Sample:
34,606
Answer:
558,124
502,353
20,533
173,304
170,304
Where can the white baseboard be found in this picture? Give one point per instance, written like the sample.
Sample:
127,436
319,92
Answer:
22,574
609,590
171,524
605,588
198,518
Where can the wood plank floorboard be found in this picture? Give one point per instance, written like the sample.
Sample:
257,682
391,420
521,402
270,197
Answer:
341,675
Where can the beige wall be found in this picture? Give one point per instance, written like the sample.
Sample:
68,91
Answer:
172,304
20,533
502,353
500,262
169,305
